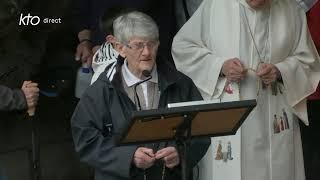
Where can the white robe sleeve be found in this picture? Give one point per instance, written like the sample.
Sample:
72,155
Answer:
192,51
301,70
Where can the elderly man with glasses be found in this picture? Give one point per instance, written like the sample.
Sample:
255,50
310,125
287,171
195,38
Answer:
103,111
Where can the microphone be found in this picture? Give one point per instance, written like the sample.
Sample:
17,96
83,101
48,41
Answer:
148,76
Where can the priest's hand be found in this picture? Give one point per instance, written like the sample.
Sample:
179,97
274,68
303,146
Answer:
143,158
233,70
268,73
169,155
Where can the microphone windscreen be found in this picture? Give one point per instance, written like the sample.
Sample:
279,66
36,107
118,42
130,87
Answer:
146,73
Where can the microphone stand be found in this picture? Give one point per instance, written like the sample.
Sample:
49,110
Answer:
35,146
147,74
183,141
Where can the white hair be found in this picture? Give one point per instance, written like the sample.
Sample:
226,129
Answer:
135,24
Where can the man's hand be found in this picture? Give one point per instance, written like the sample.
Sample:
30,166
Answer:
169,155
143,158
84,48
268,73
233,70
31,92
84,52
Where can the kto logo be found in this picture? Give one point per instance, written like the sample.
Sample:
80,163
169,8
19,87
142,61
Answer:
26,20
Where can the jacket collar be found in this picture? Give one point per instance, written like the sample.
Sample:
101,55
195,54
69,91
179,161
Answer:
131,79
167,75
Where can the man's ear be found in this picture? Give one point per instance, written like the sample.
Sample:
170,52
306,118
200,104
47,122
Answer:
120,48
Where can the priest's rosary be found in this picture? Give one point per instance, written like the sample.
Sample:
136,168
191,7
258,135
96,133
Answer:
274,85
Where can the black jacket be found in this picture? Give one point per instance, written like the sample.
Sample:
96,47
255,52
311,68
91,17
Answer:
12,99
105,101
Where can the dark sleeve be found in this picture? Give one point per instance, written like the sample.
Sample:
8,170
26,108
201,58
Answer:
96,150
12,99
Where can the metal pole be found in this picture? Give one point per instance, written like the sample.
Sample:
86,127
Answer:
35,147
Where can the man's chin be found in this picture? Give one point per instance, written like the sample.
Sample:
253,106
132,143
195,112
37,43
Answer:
147,64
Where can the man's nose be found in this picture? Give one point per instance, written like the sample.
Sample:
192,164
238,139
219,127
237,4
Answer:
146,50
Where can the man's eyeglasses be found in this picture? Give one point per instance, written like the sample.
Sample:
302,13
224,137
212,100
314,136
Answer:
139,46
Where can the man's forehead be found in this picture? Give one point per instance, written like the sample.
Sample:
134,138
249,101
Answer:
140,39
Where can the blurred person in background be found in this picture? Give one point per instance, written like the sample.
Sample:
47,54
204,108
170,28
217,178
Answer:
87,14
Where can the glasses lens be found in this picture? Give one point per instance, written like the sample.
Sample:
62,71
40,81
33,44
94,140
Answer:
141,45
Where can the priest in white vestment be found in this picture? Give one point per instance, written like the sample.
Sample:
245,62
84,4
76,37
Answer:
254,49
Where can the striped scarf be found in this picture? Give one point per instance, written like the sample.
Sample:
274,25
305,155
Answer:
105,57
